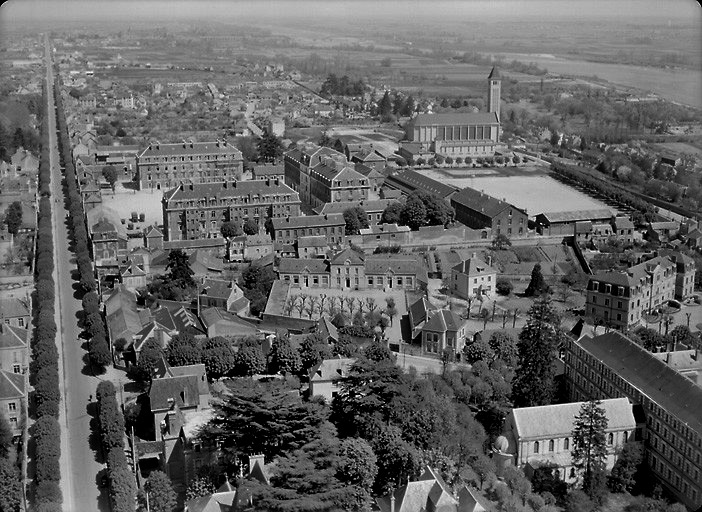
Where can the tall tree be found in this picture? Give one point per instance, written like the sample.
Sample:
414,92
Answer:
261,418
537,285
356,219
537,346
269,147
358,467
183,349
590,447
414,212
230,229
149,358
161,496
13,217
10,490
504,347
179,271
218,357
5,436
439,212
391,214
283,358
313,350
385,107
109,172
624,473
251,227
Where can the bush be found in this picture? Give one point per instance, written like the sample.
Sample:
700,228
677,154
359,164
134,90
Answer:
358,331
504,286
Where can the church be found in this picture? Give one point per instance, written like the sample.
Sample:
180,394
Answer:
457,134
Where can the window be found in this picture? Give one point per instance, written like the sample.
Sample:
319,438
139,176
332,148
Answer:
572,472
536,447
20,322
16,368
610,438
626,436
551,445
566,444
12,406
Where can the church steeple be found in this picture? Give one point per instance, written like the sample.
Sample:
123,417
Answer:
494,89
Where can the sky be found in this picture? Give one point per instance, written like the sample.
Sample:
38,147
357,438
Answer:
18,11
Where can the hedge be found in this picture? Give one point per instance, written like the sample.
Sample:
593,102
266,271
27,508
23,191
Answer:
122,485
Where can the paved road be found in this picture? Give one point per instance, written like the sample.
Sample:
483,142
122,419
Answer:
79,467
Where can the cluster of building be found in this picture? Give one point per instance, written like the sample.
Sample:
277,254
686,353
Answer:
15,335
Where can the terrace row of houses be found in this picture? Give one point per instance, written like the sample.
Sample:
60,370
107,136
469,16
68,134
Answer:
15,335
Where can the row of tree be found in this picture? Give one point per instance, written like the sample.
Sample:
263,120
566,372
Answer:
44,364
111,420
98,348
341,86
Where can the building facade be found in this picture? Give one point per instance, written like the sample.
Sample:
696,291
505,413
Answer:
613,366
322,175
443,331
478,210
473,277
195,211
619,299
163,166
287,230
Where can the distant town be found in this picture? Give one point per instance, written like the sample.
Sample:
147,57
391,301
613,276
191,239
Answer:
259,271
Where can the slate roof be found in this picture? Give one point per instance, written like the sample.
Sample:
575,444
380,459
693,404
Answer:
330,172
217,288
308,221
428,492
634,274
183,390
12,307
298,265
455,119
153,232
412,180
268,170
397,265
482,202
418,311
207,260
663,385
347,254
312,241
474,266
369,206
258,240
12,385
235,325
331,369
495,74
578,215
121,314
327,328
196,148
623,223
13,337
550,421
443,320
229,189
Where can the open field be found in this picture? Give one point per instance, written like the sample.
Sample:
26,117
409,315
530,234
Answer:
680,147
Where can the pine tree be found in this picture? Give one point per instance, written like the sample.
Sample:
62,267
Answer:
269,147
179,271
537,346
385,107
537,285
590,447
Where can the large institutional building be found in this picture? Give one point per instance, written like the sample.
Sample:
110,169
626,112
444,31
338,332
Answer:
163,166
322,175
195,211
613,366
619,299
466,134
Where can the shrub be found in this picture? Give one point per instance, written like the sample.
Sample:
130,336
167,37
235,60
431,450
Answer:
48,492
504,286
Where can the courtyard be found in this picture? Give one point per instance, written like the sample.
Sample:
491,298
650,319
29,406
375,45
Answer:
124,201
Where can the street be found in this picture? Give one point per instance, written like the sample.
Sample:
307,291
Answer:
79,467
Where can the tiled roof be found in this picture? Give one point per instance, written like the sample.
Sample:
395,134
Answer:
418,311
455,119
443,320
298,265
412,180
196,148
13,337
331,369
257,240
550,421
208,260
327,328
308,221
662,384
268,170
623,223
153,232
481,202
332,172
11,385
229,189
237,326
183,390
192,369
13,307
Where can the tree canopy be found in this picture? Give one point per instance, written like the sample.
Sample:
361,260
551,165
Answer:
590,447
356,219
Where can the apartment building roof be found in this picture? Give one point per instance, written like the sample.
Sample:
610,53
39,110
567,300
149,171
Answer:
190,148
369,206
299,265
229,189
308,221
633,275
412,180
455,119
481,202
652,377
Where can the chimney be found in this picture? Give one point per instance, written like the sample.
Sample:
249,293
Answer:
183,395
392,500
696,354
191,186
191,143
326,217
667,358
473,256
182,186
277,182
185,145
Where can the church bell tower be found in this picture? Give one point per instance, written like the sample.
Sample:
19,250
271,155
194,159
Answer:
494,86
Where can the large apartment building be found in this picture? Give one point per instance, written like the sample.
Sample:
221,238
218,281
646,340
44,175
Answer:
478,210
163,166
289,229
322,175
195,211
613,366
620,298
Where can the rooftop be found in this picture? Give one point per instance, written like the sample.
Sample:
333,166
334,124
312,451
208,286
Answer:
13,337
414,181
229,189
13,307
308,221
443,320
190,148
481,202
573,216
455,119
651,376
12,385
183,390
330,369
